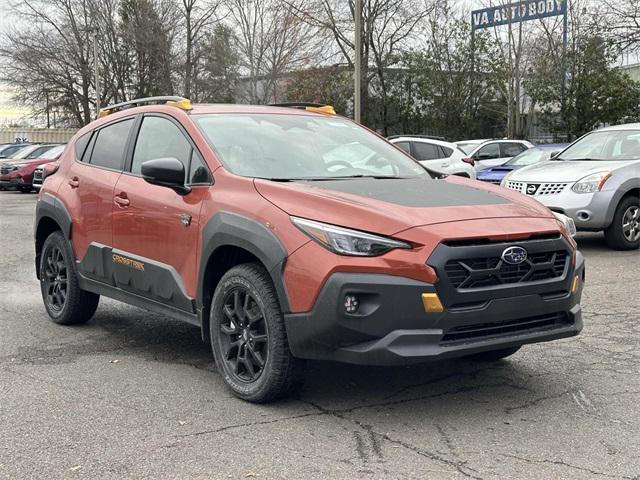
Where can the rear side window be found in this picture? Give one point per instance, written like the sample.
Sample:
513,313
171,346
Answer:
109,146
160,138
81,145
426,151
512,149
446,151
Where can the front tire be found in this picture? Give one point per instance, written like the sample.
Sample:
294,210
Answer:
624,231
65,302
248,337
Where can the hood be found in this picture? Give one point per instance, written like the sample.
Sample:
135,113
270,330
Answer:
389,206
496,173
564,170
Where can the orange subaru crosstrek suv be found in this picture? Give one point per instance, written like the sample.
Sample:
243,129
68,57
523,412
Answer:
288,233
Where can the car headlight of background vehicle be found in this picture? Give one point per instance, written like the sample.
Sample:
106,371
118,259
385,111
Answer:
17,166
567,222
344,241
505,179
591,183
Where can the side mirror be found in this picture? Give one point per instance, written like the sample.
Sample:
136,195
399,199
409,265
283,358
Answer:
166,172
555,154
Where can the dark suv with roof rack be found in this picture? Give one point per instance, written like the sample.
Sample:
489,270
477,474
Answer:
288,234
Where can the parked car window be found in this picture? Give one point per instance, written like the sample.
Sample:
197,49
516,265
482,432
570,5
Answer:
446,151
39,151
426,151
605,145
13,149
198,171
110,143
53,153
488,152
81,145
512,149
404,146
160,138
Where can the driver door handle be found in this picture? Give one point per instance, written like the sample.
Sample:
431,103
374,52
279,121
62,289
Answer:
74,182
121,200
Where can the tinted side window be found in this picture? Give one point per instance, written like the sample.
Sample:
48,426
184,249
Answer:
198,171
404,146
81,145
160,138
488,152
426,151
512,149
110,143
446,151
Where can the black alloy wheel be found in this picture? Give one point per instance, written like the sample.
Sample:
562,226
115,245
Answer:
55,279
244,335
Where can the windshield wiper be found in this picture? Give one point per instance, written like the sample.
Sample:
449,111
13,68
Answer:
580,159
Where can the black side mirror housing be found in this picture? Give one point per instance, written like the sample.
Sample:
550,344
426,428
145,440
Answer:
555,154
166,172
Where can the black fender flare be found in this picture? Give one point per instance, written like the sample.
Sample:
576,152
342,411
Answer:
230,229
49,207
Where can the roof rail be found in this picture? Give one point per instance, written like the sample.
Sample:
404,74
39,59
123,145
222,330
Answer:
174,101
313,107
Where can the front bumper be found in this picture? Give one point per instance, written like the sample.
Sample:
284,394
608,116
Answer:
391,326
590,211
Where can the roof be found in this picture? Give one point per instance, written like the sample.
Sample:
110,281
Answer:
409,138
624,126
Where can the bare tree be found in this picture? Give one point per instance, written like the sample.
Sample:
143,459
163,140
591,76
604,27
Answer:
272,41
388,27
621,19
199,18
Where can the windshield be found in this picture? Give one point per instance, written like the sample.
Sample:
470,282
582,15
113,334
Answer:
606,145
286,147
531,156
53,152
467,148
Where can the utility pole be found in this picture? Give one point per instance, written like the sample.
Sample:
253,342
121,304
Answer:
357,71
96,70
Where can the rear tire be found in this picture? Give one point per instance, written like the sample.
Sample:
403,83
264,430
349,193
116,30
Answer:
65,302
624,231
248,337
24,189
493,355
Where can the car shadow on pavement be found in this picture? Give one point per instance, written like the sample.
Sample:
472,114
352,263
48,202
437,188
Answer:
133,332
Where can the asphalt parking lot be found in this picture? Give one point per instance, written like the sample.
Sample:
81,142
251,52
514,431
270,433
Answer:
135,395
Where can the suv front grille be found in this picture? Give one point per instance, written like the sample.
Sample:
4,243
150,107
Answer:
536,189
481,331
490,271
5,169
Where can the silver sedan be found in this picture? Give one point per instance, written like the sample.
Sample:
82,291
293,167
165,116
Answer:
595,181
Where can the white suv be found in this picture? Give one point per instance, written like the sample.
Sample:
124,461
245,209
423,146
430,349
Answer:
492,153
441,157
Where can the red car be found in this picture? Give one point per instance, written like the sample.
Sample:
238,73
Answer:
288,234
19,173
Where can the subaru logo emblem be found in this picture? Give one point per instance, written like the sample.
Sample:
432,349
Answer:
514,255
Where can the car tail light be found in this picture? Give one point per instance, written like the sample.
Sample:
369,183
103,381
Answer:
469,160
49,169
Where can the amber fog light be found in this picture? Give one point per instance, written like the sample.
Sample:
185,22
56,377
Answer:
351,303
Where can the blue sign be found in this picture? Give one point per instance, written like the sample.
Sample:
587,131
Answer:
517,12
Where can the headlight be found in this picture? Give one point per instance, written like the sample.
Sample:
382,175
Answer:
567,222
505,179
591,183
344,241
17,166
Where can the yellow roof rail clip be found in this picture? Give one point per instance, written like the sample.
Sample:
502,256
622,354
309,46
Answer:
184,104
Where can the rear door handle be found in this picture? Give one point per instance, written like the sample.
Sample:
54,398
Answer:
121,200
74,182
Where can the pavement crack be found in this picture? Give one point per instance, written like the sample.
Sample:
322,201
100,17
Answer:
564,464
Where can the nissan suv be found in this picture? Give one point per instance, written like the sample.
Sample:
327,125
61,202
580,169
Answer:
288,234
